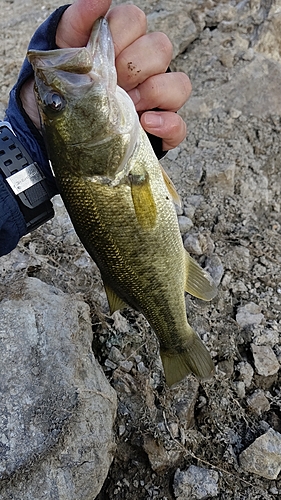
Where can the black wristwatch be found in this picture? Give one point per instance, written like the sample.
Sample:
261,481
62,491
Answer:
25,179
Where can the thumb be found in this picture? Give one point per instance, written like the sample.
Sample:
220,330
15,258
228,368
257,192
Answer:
77,21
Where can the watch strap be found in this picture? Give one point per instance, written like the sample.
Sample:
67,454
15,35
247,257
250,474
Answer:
25,178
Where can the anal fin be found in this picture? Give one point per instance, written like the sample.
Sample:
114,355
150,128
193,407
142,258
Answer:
198,282
115,303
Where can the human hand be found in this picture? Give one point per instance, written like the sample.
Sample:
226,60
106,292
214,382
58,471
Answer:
141,62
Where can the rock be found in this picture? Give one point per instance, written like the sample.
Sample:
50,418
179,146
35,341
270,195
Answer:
182,30
184,224
258,402
183,401
159,457
263,456
249,315
238,258
199,244
266,336
269,42
240,389
266,363
57,409
214,266
246,373
192,244
220,176
195,483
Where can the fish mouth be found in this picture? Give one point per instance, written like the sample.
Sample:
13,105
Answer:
71,60
97,59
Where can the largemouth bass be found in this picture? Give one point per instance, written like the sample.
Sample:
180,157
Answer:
118,197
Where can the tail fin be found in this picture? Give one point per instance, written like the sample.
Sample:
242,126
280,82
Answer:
195,359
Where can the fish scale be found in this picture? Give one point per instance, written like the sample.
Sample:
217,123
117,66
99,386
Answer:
118,197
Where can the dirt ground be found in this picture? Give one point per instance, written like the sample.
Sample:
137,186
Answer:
228,175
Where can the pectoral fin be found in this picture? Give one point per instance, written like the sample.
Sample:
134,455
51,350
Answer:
171,187
143,200
115,303
195,359
198,282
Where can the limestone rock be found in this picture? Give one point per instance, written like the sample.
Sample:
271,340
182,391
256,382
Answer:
195,483
57,409
249,315
182,30
258,402
246,373
221,176
159,457
266,363
263,456
184,223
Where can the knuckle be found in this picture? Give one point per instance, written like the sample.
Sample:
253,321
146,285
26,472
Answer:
163,45
138,16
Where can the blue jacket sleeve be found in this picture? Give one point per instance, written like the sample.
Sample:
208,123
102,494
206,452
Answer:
12,223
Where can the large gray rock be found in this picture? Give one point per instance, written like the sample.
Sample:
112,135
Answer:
263,456
57,409
195,483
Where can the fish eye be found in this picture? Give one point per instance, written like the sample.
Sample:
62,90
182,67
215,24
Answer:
54,101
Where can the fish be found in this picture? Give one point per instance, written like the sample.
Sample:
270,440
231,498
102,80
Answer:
120,200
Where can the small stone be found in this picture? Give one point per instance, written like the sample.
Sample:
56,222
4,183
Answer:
238,258
258,402
192,245
246,372
196,483
126,366
121,430
221,176
240,389
115,355
142,368
235,113
249,315
215,268
266,336
184,224
266,363
263,456
109,364
274,490
173,153
159,457
189,211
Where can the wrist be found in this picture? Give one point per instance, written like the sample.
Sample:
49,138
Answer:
25,180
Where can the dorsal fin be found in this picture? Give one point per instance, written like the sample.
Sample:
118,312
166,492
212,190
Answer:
171,187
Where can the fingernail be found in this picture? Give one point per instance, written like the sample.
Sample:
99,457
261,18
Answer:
152,120
135,96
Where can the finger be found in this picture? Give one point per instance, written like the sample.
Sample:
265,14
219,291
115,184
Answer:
127,23
77,21
165,124
167,91
148,55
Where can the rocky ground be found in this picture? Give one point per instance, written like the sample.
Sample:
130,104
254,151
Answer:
221,438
